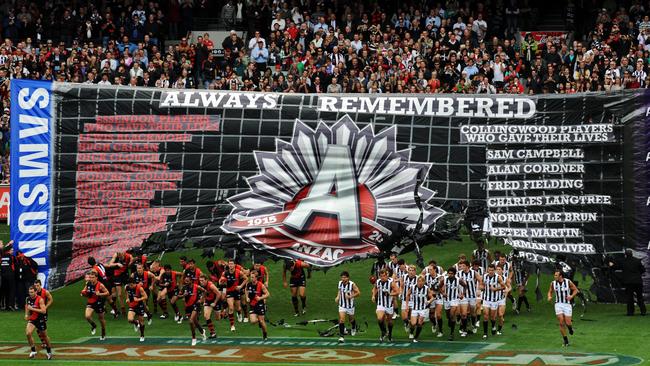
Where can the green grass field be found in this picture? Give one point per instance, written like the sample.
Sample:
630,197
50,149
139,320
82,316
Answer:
604,329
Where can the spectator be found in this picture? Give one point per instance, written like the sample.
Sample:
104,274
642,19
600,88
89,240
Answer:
26,271
228,14
260,55
334,87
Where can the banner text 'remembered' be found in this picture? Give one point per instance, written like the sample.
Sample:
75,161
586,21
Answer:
478,107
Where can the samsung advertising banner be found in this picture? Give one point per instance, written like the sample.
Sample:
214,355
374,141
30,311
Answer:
325,178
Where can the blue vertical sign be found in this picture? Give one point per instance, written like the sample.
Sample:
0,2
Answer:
31,170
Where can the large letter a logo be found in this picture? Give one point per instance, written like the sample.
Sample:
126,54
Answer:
336,175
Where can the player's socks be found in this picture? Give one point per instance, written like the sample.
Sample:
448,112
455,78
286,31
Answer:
499,327
390,331
92,324
463,324
525,299
103,332
485,327
353,324
142,330
149,315
163,306
199,327
341,329
406,323
382,327
294,302
520,300
472,320
231,318
244,310
418,330
494,323
210,326
33,348
439,325
114,307
48,349
452,326
570,329
175,307
566,340
193,333
303,301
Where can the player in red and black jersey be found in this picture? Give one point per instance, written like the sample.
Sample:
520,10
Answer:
216,269
262,272
35,311
192,271
136,298
47,298
183,262
120,264
211,301
96,293
234,279
257,293
192,293
297,283
103,277
146,279
156,269
168,288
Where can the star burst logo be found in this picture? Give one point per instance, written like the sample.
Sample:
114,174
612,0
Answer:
332,194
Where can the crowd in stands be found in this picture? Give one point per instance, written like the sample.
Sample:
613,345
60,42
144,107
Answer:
325,46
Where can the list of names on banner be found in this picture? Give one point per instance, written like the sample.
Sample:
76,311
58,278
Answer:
535,185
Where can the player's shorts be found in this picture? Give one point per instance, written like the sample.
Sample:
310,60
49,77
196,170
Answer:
258,309
451,303
565,309
492,305
40,324
192,308
468,301
406,305
420,313
98,306
437,302
298,282
502,302
387,310
172,292
221,305
138,309
121,280
347,311
233,294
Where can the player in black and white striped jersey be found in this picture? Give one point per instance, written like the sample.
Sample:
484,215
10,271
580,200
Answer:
472,282
419,297
476,266
507,275
347,292
395,272
564,291
453,292
406,280
521,281
461,258
432,264
491,288
481,254
383,294
434,279
501,302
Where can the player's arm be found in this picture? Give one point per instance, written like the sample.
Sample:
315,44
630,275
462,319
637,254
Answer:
502,284
549,296
265,293
103,291
153,280
394,289
143,295
408,295
429,296
374,293
480,286
244,281
266,277
355,291
50,299
308,266
574,290
113,262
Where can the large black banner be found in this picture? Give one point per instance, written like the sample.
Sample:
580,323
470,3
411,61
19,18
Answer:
330,178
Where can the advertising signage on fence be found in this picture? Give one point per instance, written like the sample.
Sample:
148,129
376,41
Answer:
324,178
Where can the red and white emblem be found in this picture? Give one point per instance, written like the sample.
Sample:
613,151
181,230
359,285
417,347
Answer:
331,194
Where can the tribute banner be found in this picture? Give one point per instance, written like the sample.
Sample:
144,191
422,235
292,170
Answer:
325,178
